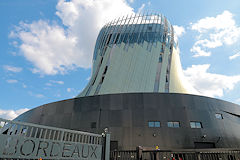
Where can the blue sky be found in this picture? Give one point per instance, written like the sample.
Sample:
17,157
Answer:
46,46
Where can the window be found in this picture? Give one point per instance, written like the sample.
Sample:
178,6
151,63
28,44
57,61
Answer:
150,124
218,116
173,124
154,124
195,124
157,124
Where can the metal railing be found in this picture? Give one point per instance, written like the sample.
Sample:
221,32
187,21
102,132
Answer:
184,154
20,140
45,132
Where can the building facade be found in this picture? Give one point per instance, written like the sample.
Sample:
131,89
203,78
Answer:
138,93
136,53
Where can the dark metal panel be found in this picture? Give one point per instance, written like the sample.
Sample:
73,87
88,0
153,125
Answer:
126,116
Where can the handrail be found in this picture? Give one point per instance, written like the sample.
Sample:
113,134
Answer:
47,127
21,140
204,150
46,132
177,154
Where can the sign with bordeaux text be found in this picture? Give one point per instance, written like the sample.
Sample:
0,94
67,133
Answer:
13,146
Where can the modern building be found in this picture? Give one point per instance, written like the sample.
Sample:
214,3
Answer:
136,54
138,92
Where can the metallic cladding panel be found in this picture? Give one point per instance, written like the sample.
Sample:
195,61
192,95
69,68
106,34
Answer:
127,115
177,83
127,57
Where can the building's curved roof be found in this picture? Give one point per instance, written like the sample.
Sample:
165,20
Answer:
136,29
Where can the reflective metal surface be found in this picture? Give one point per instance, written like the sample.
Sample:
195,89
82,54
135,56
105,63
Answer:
126,116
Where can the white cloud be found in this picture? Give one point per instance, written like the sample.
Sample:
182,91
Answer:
52,82
214,32
12,68
48,47
178,30
12,81
69,89
39,95
210,84
54,49
72,90
13,53
48,84
14,43
11,114
141,8
131,1
88,78
237,100
24,85
58,82
222,21
36,95
234,56
199,52
58,95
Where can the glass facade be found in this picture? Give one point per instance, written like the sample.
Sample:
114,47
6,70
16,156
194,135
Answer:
135,29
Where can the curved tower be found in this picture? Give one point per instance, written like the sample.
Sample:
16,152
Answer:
136,53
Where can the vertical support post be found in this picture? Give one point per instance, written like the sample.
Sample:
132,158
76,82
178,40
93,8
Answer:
61,135
107,146
139,150
198,156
